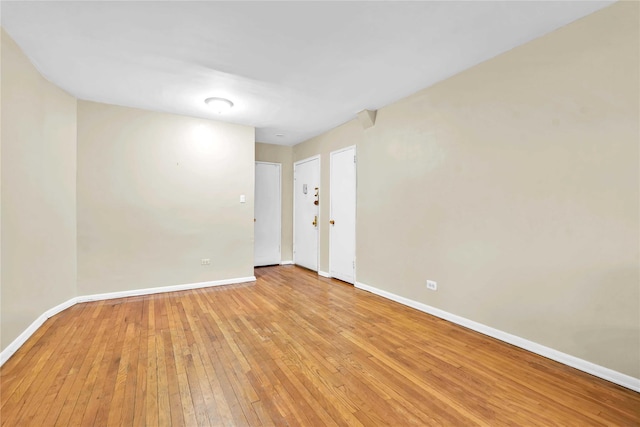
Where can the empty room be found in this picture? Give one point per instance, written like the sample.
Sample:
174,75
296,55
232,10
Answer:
357,213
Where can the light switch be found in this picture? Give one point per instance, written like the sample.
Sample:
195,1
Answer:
243,199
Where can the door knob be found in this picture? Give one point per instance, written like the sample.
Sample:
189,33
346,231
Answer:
315,221
332,222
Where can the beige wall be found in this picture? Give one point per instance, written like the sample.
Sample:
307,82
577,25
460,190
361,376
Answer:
283,155
515,186
38,169
343,136
156,194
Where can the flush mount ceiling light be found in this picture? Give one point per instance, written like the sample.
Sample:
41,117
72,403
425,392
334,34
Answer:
219,105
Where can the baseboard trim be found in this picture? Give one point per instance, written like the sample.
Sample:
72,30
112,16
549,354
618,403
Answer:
289,262
550,353
26,334
323,274
162,289
33,327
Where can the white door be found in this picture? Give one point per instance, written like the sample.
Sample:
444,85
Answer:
267,215
306,183
342,221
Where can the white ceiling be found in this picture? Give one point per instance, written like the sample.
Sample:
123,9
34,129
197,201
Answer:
295,68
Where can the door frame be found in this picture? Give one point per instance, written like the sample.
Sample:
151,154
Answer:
295,165
279,210
355,232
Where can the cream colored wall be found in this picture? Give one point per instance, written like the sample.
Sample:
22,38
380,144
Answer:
283,155
156,194
515,186
2,36
345,135
38,139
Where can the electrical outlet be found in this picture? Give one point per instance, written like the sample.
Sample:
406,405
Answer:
432,284
205,261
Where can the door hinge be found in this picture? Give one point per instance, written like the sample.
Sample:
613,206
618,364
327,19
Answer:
354,159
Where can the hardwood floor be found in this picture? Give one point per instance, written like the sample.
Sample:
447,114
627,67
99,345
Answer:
292,349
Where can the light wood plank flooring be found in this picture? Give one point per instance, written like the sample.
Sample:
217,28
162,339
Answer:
291,349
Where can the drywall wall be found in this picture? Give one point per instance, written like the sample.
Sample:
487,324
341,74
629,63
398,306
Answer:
343,136
38,193
515,186
282,154
156,194
2,34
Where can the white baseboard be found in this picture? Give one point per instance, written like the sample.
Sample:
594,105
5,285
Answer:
24,336
289,262
161,289
323,274
575,362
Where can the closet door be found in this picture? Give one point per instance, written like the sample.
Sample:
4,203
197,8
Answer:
267,214
342,221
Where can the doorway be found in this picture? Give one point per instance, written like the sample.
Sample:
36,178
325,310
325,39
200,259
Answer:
267,214
342,221
306,222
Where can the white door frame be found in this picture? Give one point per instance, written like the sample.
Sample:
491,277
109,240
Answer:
279,206
355,153
294,205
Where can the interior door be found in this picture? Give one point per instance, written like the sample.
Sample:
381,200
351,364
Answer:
306,182
342,221
267,214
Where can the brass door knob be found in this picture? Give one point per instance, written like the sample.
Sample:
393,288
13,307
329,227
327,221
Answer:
332,222
315,221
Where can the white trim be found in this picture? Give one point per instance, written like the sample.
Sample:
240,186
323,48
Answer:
295,164
24,336
550,353
323,274
288,262
162,289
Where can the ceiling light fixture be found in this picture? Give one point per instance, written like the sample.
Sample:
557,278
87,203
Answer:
219,105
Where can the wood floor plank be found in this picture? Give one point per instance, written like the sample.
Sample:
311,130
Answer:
141,392
164,407
219,412
180,359
291,349
58,368
151,395
33,352
206,407
170,358
98,409
220,376
48,412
